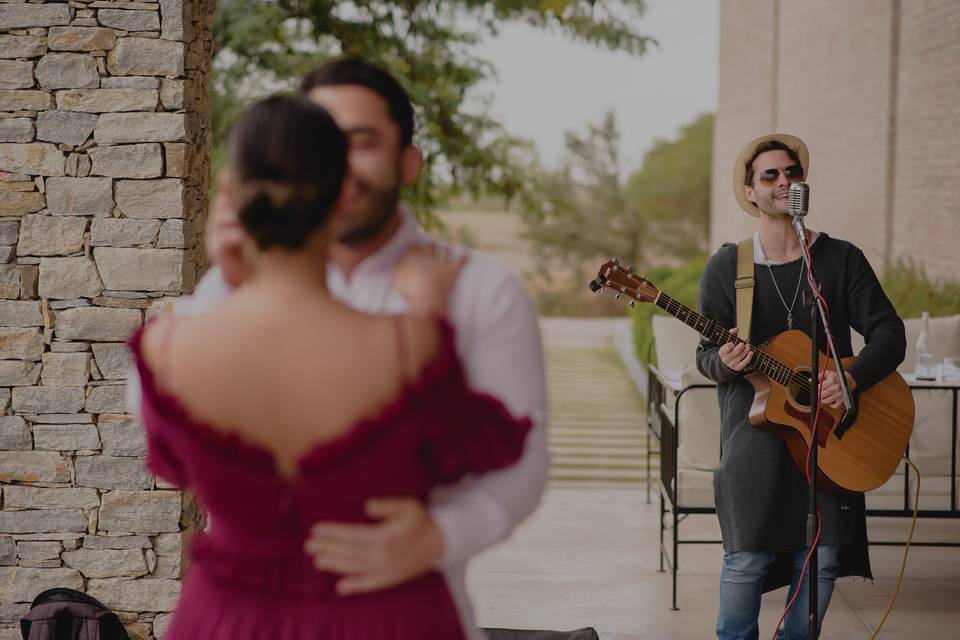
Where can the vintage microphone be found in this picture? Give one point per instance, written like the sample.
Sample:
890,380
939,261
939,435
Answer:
798,204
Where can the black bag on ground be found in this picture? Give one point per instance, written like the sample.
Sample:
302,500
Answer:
587,633
65,614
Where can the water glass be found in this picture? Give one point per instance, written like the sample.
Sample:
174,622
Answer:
925,368
950,370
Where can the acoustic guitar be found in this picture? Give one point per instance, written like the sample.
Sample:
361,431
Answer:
859,456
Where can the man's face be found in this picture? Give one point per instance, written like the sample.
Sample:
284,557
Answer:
374,161
773,171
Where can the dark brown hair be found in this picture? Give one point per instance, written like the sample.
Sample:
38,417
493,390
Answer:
289,160
353,71
763,147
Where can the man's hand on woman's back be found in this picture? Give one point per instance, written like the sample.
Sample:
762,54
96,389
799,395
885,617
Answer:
403,545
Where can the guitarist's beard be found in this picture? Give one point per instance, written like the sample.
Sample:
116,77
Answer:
774,207
777,214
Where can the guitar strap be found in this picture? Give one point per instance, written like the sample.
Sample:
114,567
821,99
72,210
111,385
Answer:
744,285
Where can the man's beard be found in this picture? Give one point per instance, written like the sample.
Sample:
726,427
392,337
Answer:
372,219
772,207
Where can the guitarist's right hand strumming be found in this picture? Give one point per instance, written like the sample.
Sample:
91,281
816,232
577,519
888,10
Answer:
736,355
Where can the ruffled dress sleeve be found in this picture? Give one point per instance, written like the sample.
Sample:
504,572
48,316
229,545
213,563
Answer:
464,431
162,458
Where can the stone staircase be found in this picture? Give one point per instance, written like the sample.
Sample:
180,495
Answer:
597,433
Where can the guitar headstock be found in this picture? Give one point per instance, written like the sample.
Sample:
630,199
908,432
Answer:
623,281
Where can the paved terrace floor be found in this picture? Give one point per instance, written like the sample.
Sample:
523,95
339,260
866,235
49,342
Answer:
588,556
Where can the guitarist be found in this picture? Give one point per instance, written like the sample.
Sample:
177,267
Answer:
761,496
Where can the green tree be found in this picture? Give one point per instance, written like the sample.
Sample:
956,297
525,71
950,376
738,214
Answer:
672,191
586,213
661,214
261,47
582,212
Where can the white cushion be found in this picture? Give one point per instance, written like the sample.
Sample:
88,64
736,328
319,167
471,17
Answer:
931,438
676,343
695,488
699,439
934,491
888,495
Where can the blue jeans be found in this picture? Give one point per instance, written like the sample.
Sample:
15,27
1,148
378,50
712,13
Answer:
741,584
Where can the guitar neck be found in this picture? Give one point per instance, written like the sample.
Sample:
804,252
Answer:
713,332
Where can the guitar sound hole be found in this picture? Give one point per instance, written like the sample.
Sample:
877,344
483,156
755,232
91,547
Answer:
799,388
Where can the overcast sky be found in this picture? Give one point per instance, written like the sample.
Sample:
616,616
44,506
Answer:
548,84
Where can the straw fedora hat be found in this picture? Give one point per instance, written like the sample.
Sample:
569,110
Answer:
740,168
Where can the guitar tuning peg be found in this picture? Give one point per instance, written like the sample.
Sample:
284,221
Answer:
630,268
615,261
616,297
633,304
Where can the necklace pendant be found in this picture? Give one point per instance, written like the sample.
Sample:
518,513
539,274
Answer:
790,320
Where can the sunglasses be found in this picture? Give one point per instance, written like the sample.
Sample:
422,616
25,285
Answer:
792,173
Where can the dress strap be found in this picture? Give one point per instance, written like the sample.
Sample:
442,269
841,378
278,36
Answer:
403,349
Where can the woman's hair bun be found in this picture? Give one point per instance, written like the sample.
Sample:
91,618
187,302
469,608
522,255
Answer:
289,160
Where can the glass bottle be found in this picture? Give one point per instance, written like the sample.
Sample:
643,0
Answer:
924,369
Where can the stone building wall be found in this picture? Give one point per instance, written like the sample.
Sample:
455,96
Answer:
104,145
864,83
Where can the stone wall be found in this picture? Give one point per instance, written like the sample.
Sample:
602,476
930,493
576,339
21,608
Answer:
863,83
104,144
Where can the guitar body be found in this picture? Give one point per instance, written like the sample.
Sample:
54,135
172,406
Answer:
867,453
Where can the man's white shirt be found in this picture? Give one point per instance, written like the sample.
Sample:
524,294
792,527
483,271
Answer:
498,340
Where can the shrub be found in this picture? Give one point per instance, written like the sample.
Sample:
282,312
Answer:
680,283
911,291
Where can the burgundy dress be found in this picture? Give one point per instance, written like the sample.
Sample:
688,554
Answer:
249,576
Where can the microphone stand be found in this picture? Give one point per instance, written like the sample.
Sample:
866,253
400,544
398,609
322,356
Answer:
815,304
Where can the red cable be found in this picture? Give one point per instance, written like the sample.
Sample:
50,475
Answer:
803,572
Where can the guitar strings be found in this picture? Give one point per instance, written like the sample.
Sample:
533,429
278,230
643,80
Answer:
780,372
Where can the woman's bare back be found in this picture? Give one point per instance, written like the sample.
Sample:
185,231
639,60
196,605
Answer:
287,373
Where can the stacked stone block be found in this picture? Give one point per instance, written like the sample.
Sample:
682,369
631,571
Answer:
104,140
